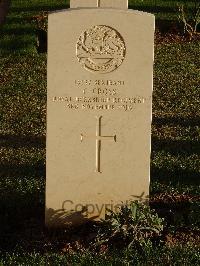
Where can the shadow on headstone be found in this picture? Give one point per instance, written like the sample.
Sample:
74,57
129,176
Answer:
59,218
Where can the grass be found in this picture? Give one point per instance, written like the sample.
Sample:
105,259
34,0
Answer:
19,34
175,164
176,131
163,9
158,256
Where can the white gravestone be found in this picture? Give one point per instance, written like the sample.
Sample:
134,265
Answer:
99,109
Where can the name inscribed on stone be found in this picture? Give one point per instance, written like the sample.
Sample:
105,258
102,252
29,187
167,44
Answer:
100,95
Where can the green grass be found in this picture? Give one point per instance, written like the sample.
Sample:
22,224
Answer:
150,257
175,165
163,9
19,34
176,114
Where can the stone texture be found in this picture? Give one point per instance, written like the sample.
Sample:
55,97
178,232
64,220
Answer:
81,3
100,80
122,4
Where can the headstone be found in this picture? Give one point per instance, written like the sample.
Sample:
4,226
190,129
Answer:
99,108
123,4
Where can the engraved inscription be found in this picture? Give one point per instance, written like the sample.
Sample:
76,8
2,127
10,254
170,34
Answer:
101,94
100,49
99,138
103,102
99,82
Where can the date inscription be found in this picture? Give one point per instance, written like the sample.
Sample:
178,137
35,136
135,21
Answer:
100,95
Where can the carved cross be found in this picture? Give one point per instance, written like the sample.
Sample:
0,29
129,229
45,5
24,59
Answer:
99,138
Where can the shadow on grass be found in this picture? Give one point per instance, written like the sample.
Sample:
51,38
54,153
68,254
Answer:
16,35
182,121
11,20
175,176
22,217
39,8
17,30
16,44
179,214
154,8
176,147
25,170
168,25
16,141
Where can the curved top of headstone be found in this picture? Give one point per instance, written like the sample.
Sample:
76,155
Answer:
121,4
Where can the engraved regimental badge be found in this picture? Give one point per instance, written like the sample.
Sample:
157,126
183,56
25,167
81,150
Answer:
100,49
